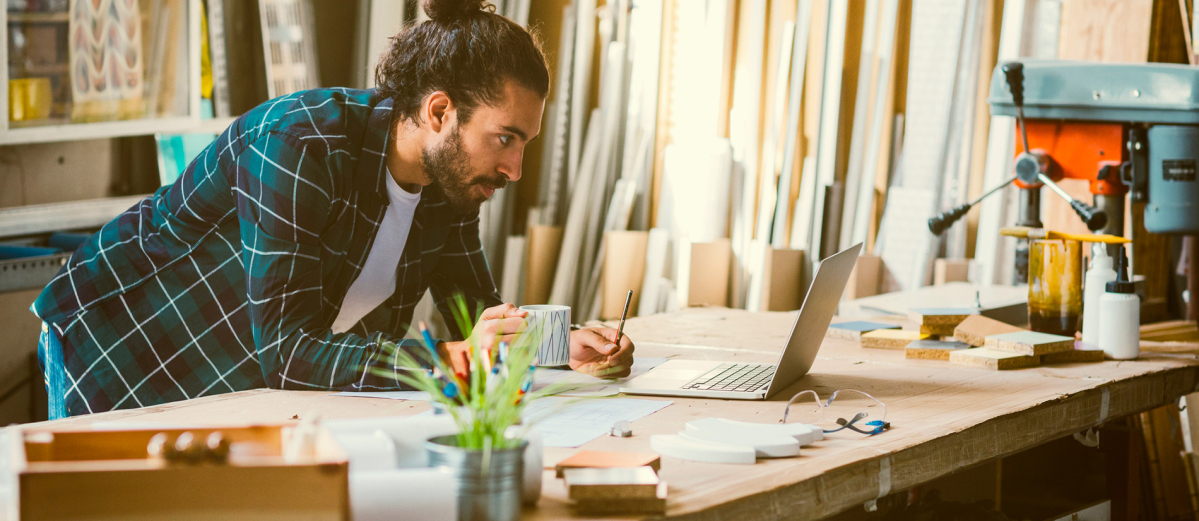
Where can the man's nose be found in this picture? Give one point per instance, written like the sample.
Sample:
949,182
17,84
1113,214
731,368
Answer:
511,166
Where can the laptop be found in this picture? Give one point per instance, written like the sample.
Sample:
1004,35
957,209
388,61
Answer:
749,381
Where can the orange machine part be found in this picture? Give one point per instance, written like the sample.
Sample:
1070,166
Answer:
1078,148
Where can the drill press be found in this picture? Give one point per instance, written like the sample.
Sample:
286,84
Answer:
1128,129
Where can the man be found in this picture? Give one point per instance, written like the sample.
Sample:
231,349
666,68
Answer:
302,238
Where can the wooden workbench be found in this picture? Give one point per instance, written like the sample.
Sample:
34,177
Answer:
945,418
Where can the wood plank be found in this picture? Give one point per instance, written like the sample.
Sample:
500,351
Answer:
992,359
1029,343
891,338
974,330
933,349
1105,30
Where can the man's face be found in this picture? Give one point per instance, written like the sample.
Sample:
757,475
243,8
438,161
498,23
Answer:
479,157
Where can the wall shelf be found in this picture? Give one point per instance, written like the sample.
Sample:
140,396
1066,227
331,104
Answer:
13,133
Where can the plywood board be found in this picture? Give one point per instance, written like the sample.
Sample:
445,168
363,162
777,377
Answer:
891,338
703,273
783,285
604,459
624,269
1029,343
744,134
799,54
983,358
939,321
543,245
854,330
830,120
876,164
1073,356
933,349
514,264
1105,30
862,117
951,270
580,85
864,280
975,329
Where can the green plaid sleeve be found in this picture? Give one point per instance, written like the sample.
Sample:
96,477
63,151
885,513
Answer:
284,194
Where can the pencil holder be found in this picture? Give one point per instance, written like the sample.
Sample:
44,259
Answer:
489,483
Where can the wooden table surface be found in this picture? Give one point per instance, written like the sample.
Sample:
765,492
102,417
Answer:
944,418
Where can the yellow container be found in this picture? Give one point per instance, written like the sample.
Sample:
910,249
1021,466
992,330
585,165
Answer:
29,99
1055,286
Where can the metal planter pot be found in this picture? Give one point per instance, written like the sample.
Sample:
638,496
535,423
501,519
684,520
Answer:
489,489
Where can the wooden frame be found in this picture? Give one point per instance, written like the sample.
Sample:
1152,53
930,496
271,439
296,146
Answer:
110,475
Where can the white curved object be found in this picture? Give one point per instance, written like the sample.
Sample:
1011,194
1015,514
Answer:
764,444
803,433
677,446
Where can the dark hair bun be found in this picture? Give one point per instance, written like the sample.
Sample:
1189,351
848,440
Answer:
452,10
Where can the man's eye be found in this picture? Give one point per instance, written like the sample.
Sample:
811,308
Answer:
505,139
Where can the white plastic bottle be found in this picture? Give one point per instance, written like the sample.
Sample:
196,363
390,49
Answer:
1120,316
1098,276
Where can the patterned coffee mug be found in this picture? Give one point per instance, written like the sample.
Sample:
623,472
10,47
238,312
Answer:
550,324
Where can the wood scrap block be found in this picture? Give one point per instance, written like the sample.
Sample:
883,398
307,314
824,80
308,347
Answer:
854,330
1030,343
933,349
613,483
1076,355
951,270
703,273
992,359
782,280
600,459
976,328
891,338
654,505
865,277
940,321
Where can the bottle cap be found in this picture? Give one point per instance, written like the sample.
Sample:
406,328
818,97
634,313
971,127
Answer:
1100,260
1122,284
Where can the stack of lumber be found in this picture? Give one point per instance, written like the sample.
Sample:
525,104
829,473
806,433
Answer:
964,337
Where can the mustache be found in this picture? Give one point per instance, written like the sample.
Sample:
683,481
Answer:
493,183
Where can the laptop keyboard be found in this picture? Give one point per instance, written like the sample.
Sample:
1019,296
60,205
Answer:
733,377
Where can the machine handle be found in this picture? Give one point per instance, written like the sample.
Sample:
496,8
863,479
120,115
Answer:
1095,218
942,221
1014,73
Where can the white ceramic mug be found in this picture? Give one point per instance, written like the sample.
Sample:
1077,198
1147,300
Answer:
551,324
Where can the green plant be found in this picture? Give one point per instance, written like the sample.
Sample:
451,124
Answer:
487,402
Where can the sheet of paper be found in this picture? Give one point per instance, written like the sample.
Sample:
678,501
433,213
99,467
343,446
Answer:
566,424
390,395
573,383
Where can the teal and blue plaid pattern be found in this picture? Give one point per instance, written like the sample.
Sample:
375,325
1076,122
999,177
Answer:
231,277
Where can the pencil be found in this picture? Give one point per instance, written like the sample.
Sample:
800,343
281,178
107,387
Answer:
620,329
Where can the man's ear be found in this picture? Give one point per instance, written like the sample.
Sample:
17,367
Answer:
438,109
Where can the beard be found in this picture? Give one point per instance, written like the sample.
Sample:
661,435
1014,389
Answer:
448,165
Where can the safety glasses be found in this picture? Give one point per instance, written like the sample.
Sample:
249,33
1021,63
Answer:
845,409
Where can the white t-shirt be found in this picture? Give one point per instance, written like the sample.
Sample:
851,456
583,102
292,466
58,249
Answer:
377,280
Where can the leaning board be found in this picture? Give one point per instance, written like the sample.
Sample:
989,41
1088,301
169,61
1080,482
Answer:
935,408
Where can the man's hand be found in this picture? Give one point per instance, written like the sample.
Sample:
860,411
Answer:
497,324
593,352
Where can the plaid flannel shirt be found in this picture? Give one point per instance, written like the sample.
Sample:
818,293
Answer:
231,277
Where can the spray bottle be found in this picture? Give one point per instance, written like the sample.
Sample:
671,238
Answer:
1098,276
1120,316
